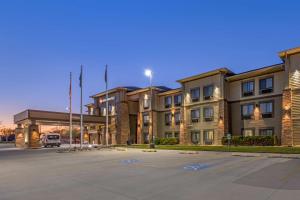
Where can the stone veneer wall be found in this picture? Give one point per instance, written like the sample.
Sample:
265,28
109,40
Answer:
139,128
20,137
287,132
223,122
123,128
184,139
34,136
113,130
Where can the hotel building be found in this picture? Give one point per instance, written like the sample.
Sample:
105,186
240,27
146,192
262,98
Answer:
207,106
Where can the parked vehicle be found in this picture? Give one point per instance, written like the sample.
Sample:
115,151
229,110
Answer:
51,139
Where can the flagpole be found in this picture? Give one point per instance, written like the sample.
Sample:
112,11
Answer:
70,109
106,86
81,116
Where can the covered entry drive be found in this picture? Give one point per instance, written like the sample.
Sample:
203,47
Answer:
30,121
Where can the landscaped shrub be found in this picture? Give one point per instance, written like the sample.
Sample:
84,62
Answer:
166,141
251,141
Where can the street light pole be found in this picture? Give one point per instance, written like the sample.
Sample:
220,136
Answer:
149,74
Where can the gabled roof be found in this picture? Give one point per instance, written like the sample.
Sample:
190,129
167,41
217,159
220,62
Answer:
206,74
257,72
127,88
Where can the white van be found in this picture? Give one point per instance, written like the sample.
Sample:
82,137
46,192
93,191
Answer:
51,139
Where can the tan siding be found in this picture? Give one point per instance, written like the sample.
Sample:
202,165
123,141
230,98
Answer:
235,88
257,123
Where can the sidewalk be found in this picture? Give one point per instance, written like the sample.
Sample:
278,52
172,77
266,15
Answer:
8,147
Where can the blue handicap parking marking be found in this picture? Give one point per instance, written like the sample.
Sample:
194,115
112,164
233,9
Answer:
196,167
130,161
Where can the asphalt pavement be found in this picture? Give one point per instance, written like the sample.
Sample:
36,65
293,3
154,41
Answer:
133,174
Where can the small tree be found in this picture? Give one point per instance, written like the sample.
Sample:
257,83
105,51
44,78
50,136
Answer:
6,132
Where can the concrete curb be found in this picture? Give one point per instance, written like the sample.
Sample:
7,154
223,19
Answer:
285,156
149,151
189,152
266,155
246,154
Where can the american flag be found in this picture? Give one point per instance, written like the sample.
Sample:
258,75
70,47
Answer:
80,77
105,76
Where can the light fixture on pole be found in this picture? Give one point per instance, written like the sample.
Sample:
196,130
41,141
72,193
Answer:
149,74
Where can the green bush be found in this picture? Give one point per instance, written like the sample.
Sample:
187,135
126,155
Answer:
251,141
166,141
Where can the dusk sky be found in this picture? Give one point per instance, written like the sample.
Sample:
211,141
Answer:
41,41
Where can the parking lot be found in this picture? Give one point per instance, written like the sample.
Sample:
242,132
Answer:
133,174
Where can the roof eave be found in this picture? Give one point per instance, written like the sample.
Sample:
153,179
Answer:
258,72
288,52
206,74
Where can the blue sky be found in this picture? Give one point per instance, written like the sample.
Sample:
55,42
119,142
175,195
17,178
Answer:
42,41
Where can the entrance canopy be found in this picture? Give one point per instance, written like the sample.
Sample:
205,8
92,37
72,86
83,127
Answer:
55,118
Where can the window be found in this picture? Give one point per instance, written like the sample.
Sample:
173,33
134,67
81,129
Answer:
146,102
168,135
177,117
146,119
208,92
110,109
168,119
208,114
195,94
247,111
53,137
146,138
208,137
266,132
266,85
178,100
195,115
195,137
176,135
91,111
103,111
168,102
248,132
248,88
266,109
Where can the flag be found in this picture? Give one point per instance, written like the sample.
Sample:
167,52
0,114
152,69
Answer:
105,76
70,89
80,77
